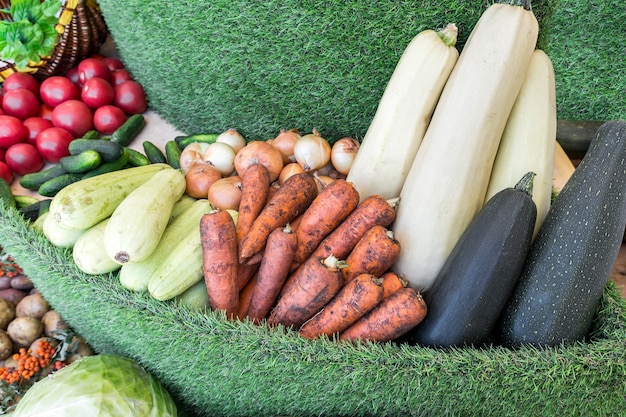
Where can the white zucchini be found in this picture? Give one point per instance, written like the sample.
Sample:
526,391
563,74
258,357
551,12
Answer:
395,134
528,141
448,179
88,252
138,222
59,235
136,275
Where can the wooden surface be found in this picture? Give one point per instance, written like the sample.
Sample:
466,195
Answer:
619,270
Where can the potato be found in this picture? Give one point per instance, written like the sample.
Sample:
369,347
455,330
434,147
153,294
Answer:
7,313
13,295
32,305
52,321
25,330
5,283
22,282
82,350
6,345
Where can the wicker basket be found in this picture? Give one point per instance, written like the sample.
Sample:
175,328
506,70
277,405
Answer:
82,30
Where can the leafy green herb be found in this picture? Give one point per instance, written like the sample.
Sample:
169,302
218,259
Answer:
29,34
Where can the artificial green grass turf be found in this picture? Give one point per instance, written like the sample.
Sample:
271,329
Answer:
262,66
215,367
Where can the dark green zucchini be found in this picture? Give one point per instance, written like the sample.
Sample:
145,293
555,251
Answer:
572,256
478,277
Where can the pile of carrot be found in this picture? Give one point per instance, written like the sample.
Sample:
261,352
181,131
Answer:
315,260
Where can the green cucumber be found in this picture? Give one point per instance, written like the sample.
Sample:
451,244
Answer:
172,153
571,258
136,158
91,134
34,180
154,154
6,195
34,210
22,201
109,151
51,187
129,130
82,162
111,166
183,141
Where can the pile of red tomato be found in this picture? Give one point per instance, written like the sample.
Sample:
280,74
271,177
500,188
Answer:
39,120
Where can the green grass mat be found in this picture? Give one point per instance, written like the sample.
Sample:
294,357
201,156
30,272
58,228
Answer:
214,367
263,66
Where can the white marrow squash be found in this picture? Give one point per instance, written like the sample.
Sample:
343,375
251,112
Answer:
138,222
88,252
529,138
448,180
395,134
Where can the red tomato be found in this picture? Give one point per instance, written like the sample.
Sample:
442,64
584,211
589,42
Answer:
53,143
57,89
107,119
21,103
21,80
12,131
92,67
6,173
2,153
45,111
130,97
119,76
113,63
97,92
74,116
72,74
24,158
35,125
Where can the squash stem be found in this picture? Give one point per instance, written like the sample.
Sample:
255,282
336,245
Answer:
526,183
449,34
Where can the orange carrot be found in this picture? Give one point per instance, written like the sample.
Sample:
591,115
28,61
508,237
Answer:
313,285
391,318
273,271
331,206
219,252
291,199
245,295
352,302
255,185
244,273
374,210
374,254
392,282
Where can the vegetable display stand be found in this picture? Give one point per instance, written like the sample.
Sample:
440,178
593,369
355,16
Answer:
81,32
216,367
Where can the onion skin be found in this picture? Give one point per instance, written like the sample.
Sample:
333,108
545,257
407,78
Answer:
285,142
225,193
342,154
199,179
289,170
312,151
233,138
259,152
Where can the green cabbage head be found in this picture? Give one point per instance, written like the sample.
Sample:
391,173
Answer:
98,386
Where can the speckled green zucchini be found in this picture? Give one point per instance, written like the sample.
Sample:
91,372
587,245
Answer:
573,254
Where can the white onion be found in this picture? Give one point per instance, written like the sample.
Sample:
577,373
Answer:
312,151
233,138
194,152
342,154
222,156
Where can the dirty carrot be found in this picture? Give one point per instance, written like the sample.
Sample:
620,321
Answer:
255,185
391,318
374,210
273,271
374,253
331,206
291,199
352,302
219,265
245,295
392,282
244,273
315,283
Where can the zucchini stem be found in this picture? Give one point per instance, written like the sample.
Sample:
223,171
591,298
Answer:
526,183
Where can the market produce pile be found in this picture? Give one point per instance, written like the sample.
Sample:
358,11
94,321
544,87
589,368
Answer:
224,263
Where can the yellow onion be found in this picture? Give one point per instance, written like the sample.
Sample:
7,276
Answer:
233,138
289,170
193,153
312,151
199,179
222,156
285,142
342,154
259,152
225,193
